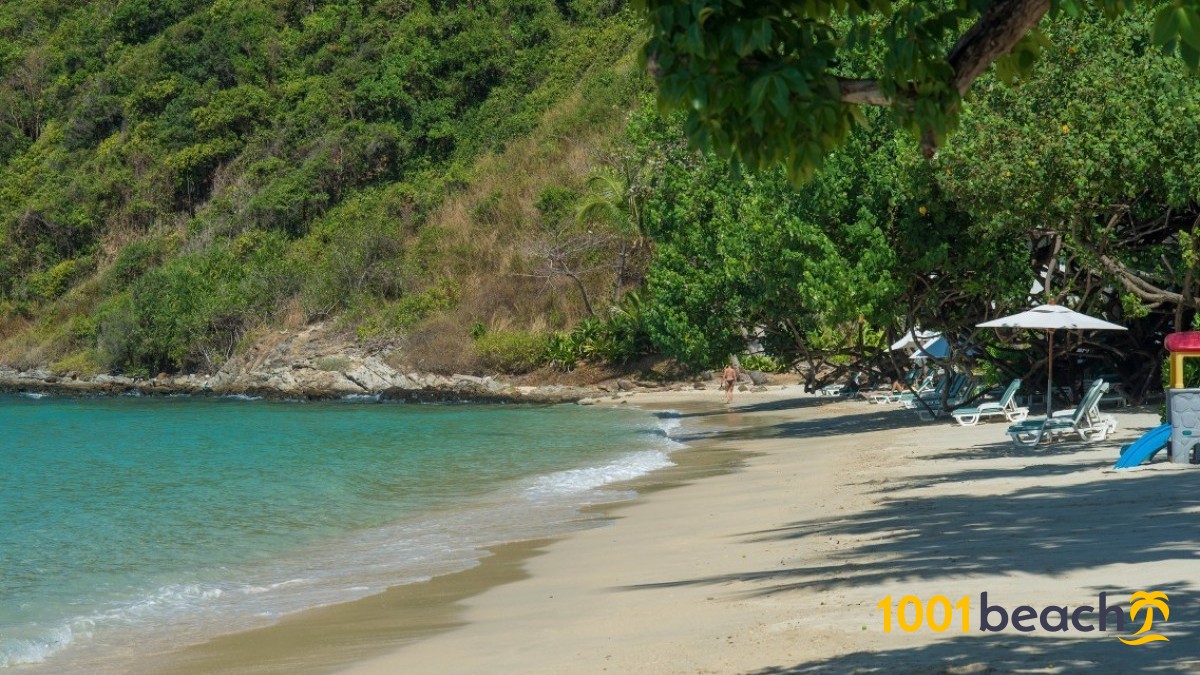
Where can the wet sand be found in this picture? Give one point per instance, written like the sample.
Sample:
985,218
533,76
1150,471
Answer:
780,534
779,567
327,639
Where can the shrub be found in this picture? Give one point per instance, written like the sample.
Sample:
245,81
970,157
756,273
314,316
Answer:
86,363
117,336
52,283
399,317
562,351
193,311
762,362
333,364
135,260
512,351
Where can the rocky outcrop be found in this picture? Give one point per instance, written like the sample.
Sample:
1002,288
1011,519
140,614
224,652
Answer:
303,366
300,383
317,364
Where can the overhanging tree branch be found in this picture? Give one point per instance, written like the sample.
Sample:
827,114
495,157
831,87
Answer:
863,92
998,30
1001,26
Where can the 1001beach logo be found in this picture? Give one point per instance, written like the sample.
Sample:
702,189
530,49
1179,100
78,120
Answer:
910,614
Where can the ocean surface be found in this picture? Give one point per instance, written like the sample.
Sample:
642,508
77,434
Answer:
132,525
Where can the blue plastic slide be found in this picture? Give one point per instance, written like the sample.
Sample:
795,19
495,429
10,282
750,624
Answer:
1145,447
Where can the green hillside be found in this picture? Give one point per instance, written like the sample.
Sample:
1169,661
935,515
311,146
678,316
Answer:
178,176
487,186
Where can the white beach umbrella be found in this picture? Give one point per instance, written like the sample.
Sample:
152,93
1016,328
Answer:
1051,318
913,338
936,348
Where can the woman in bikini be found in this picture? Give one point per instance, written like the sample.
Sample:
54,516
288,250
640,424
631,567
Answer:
728,380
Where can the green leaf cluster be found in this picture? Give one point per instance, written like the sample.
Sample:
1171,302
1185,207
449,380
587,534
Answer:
764,82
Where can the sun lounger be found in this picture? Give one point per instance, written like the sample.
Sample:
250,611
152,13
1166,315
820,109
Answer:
1006,407
1085,421
908,399
889,396
838,390
955,383
962,386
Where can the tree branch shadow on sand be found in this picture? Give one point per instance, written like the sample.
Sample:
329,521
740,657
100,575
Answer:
1047,530
876,419
1013,653
841,425
1147,517
794,403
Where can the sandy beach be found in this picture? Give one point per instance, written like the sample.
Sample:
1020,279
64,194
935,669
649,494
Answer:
779,566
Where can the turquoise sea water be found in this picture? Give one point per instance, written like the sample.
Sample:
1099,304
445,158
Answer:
129,525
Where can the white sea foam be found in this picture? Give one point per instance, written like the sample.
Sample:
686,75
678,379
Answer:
34,650
242,397
366,398
33,394
669,422
573,481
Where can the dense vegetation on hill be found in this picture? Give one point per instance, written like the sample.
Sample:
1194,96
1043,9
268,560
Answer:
488,186
175,175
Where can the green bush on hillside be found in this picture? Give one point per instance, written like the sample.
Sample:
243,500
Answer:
511,351
53,282
191,312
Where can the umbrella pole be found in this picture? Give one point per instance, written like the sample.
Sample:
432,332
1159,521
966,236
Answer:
1050,377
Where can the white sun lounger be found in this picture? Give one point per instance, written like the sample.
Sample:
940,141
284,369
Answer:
1085,421
1006,407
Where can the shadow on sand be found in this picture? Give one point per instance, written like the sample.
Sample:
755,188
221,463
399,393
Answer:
979,654
794,403
1150,517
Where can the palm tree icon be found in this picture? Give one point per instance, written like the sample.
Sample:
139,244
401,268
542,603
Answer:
1149,603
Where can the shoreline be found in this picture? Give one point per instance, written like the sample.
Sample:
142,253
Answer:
779,567
394,388
333,637
418,389
337,636
765,550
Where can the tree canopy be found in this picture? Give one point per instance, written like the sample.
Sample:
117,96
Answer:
769,82
1084,180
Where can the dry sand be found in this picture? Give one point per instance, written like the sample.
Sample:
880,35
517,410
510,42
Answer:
778,567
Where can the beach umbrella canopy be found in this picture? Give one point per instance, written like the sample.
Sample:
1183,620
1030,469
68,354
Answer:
913,338
936,348
1051,318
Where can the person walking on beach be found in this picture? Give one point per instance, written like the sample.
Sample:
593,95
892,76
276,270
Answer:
728,380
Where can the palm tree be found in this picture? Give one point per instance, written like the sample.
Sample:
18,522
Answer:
610,198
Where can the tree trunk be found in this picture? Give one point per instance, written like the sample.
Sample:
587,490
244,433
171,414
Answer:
624,255
587,304
1187,291
999,29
